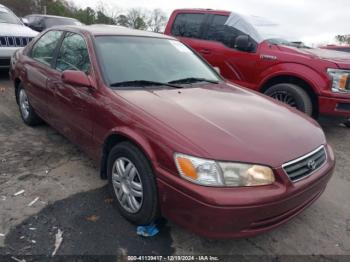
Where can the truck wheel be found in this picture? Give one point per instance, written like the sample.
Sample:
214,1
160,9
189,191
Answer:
26,110
132,184
291,95
347,123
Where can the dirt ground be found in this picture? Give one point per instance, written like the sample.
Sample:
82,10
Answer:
73,199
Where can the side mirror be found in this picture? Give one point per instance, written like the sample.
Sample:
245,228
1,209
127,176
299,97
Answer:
25,21
38,28
76,78
243,43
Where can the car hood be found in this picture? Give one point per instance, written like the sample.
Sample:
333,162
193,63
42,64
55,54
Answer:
342,59
232,124
16,30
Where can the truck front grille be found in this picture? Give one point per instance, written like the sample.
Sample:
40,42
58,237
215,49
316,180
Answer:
306,165
14,41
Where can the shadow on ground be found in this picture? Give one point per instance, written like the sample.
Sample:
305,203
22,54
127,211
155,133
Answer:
90,225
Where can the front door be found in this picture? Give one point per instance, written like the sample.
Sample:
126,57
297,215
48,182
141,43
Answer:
72,106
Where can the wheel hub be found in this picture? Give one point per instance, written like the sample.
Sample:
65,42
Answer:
285,98
127,185
24,103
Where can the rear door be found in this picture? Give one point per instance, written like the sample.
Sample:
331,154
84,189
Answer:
188,28
37,69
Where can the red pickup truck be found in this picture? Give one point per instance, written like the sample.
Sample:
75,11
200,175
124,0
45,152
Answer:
315,81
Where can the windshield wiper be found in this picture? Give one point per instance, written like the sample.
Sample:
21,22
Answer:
142,83
191,80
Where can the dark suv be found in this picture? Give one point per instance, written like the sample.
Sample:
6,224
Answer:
41,22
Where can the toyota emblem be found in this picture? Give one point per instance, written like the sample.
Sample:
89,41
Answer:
311,164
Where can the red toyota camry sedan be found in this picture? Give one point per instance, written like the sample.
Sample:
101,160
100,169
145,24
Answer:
170,135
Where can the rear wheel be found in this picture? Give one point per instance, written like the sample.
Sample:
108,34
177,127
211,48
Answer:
132,184
27,112
291,95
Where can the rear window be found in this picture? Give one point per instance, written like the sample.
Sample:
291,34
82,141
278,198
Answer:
188,25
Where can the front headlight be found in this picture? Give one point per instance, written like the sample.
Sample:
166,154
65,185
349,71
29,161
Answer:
340,80
212,173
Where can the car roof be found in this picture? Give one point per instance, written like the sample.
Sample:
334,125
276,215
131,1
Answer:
51,16
110,30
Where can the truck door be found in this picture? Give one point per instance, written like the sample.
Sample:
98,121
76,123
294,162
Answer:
235,65
188,28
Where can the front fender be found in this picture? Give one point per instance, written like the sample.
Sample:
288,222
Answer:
140,141
319,82
136,138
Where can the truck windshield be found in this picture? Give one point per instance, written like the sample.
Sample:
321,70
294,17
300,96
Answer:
8,17
134,59
261,29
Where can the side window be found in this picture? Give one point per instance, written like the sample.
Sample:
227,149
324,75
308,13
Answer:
43,50
73,54
187,25
218,31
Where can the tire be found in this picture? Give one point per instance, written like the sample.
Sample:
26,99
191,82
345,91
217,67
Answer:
26,110
291,95
347,123
121,187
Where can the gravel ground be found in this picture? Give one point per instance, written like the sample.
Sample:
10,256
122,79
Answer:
73,199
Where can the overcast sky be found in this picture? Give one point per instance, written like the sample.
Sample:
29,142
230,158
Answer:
312,21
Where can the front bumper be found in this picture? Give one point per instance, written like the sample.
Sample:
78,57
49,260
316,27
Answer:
5,56
335,106
239,212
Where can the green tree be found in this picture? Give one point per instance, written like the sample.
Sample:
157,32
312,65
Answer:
123,20
22,7
140,24
136,18
86,16
343,39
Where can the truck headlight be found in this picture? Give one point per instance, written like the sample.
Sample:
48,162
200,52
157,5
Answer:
340,80
213,173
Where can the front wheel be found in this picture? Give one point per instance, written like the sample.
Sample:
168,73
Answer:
132,184
291,95
26,110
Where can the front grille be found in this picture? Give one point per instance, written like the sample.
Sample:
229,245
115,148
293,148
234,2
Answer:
5,62
305,165
14,41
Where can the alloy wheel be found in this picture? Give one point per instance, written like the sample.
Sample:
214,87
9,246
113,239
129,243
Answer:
127,184
24,103
285,98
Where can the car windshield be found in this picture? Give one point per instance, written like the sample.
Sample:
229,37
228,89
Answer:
261,29
141,59
8,17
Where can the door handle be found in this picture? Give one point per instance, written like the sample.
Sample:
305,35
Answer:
205,51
